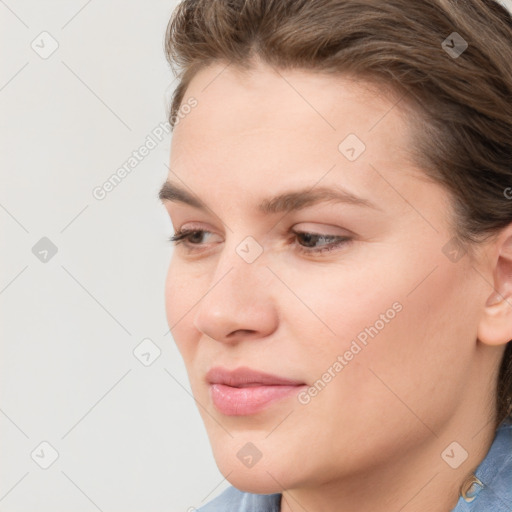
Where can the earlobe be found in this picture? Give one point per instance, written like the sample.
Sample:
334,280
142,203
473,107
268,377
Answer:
494,299
495,327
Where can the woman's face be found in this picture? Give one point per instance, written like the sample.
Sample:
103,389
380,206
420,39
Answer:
380,324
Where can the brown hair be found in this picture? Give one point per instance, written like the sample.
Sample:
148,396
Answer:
465,100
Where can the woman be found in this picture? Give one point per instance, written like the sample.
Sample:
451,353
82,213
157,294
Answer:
340,290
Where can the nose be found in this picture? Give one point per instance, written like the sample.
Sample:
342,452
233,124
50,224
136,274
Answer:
239,303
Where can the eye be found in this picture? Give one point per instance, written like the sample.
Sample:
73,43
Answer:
192,240
188,237
310,239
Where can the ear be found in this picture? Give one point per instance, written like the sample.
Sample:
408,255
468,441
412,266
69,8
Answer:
495,327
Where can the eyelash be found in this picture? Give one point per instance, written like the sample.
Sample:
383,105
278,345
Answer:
183,237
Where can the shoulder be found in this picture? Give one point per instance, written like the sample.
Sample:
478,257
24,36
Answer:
234,500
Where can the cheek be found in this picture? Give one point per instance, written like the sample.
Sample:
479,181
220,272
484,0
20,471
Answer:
180,298
404,336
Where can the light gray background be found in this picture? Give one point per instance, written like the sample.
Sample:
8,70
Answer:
69,326
129,437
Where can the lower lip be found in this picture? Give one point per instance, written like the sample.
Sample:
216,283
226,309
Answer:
249,400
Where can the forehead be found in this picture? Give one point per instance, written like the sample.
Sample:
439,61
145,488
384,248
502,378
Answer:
290,90
259,127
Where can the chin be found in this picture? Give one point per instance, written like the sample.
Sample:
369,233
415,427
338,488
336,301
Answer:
255,481
264,475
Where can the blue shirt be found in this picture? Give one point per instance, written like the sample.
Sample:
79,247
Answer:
494,495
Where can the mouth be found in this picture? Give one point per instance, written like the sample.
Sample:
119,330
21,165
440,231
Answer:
245,391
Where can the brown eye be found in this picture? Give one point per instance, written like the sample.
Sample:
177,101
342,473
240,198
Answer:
189,237
310,239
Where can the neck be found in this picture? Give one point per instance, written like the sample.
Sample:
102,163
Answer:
416,481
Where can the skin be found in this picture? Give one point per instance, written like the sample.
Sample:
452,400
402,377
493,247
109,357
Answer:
372,438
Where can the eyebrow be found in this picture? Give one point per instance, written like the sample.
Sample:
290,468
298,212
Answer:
285,202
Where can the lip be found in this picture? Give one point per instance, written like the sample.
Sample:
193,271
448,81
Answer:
245,376
245,391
